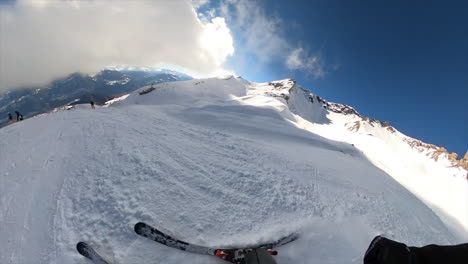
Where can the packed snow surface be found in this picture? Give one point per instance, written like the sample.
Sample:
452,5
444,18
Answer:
216,162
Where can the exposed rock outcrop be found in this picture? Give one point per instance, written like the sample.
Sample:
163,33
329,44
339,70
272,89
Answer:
464,162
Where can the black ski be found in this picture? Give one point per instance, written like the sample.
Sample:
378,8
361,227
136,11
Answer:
87,251
282,241
152,233
234,255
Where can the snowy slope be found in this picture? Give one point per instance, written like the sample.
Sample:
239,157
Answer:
218,162
425,171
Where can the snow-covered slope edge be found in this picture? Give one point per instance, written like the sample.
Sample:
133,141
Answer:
428,171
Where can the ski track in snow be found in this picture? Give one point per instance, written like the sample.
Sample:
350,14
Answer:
219,176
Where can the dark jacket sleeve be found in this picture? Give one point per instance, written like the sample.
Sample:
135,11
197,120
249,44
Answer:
432,254
386,251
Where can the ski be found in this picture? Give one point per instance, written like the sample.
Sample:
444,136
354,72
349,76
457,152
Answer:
233,255
152,233
280,242
88,252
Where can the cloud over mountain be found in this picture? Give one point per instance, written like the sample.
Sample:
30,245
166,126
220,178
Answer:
43,40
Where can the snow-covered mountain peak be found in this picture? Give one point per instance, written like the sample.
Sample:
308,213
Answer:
195,93
350,118
283,86
302,101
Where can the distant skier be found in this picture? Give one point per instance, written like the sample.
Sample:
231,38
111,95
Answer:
92,104
10,118
385,251
19,116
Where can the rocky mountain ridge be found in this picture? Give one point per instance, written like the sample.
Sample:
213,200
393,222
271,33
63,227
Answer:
284,88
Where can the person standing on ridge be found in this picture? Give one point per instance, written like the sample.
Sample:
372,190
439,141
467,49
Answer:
92,104
19,116
10,118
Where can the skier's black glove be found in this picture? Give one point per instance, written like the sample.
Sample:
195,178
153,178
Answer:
386,251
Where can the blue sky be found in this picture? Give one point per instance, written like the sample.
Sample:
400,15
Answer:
400,61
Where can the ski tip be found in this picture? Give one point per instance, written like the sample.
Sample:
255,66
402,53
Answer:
80,247
139,226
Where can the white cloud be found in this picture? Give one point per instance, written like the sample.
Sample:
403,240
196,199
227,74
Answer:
44,39
263,35
299,59
216,37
